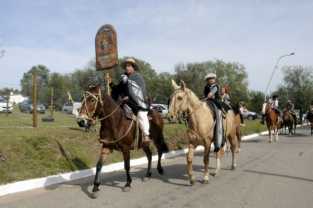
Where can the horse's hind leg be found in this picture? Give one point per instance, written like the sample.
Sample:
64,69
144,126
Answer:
159,167
218,162
147,150
126,156
234,149
97,180
189,163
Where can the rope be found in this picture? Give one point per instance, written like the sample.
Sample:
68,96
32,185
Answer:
119,139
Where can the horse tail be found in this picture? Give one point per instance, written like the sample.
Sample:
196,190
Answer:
156,131
163,146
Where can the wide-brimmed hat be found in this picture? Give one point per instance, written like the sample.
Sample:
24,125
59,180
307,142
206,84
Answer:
130,61
210,76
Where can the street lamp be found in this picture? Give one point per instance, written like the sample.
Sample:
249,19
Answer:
274,69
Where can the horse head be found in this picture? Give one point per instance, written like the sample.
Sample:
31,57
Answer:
92,100
179,101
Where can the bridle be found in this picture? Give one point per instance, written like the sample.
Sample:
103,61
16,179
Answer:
98,99
90,115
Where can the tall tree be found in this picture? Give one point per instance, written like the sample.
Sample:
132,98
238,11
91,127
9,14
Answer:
297,86
231,74
42,73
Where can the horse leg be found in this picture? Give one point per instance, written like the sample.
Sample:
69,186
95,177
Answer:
189,163
147,150
218,162
234,149
238,135
159,167
270,134
275,134
126,156
97,180
206,158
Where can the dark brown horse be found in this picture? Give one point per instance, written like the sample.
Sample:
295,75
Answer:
289,122
309,117
117,132
272,122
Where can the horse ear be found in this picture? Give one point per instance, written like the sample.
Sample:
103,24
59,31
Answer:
174,85
182,84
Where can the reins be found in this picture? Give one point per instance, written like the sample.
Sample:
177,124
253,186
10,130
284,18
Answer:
98,99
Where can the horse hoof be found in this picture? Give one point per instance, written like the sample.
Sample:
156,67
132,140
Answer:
214,174
160,171
94,195
205,180
233,167
126,189
192,181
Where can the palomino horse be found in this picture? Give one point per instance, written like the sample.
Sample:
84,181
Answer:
289,122
117,132
272,122
201,128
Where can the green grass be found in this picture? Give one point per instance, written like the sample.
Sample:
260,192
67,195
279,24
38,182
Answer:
61,146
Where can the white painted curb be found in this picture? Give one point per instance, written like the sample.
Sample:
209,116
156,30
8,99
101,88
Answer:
31,184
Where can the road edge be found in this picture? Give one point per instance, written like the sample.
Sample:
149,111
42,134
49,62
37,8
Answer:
31,184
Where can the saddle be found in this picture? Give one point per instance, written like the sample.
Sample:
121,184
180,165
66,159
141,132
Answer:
218,143
128,112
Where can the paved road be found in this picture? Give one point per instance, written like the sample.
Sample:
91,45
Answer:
268,175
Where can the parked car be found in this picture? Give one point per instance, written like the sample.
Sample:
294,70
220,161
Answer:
67,108
5,106
161,108
249,115
27,107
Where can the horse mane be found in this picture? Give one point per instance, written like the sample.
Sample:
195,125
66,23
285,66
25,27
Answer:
193,97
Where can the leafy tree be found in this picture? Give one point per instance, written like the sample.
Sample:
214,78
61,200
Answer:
231,74
297,86
42,73
255,101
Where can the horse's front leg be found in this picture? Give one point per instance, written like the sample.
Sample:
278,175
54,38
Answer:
276,134
189,163
270,134
97,180
206,160
126,156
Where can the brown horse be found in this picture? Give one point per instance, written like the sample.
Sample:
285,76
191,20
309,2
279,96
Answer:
309,117
272,122
289,122
117,132
201,128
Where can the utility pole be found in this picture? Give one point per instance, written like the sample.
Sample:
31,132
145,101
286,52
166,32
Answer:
51,102
34,98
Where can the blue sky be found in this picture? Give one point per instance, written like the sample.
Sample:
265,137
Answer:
60,34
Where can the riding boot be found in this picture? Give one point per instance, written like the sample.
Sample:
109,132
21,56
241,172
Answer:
218,133
146,140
